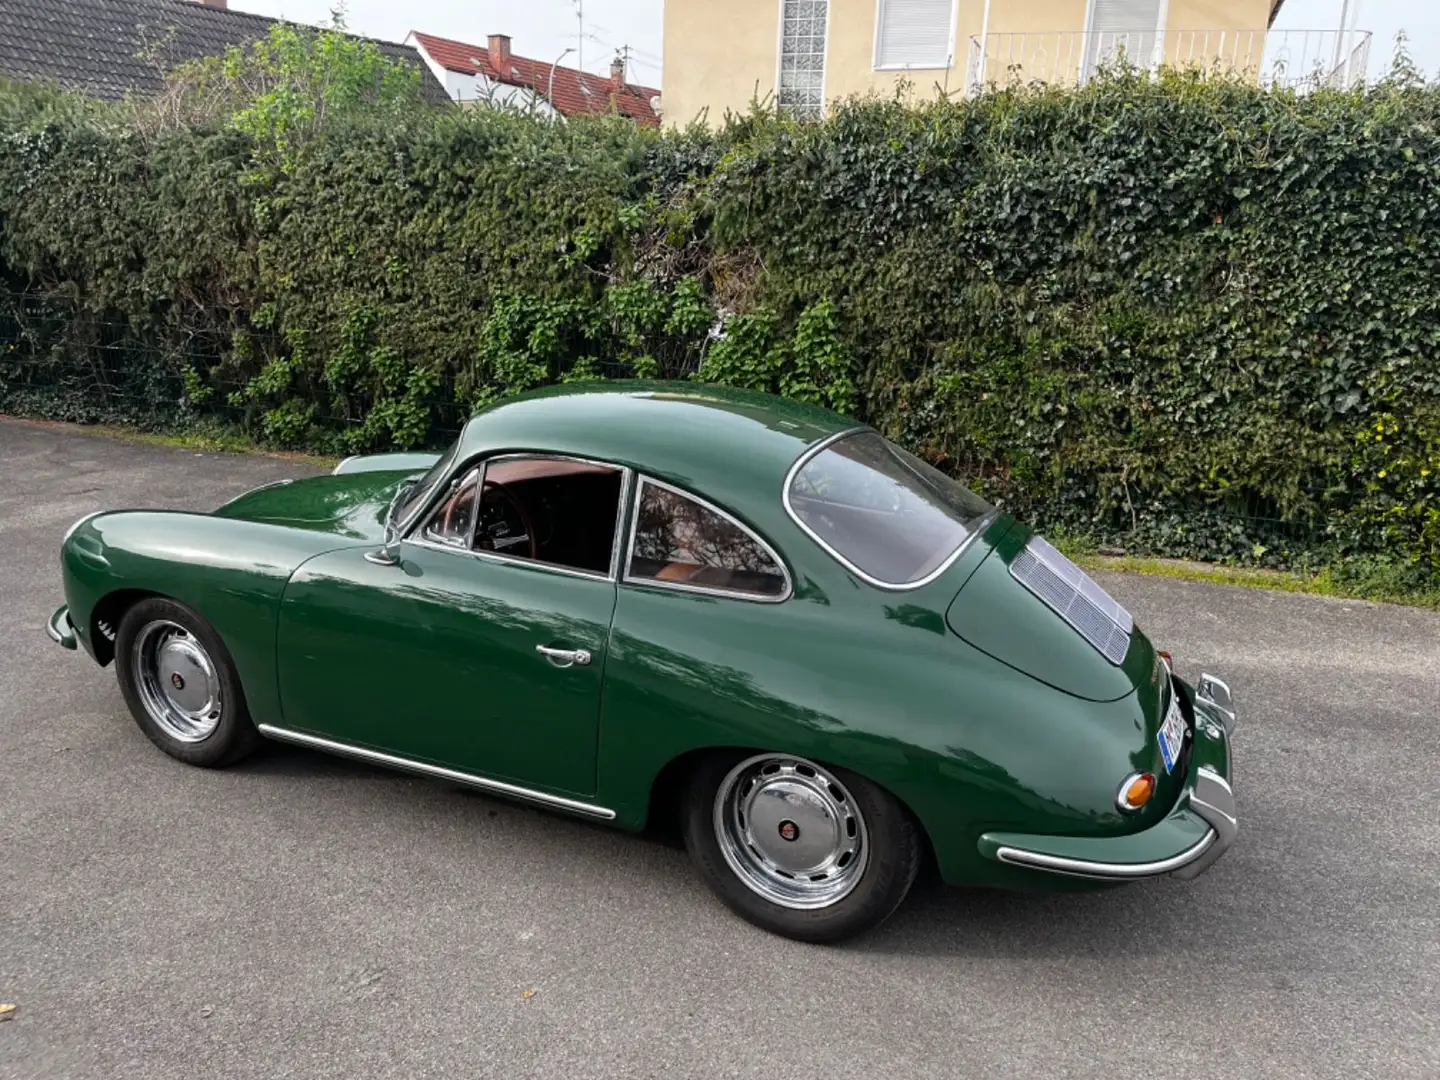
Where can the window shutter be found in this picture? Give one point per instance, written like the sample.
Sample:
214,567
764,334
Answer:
1122,26
914,33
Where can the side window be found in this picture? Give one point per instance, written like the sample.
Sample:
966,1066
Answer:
561,512
682,542
451,522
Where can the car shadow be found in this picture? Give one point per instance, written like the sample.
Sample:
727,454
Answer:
1149,918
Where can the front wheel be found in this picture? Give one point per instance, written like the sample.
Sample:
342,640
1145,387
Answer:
800,849
180,685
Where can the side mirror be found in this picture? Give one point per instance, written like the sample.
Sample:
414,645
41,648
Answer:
388,554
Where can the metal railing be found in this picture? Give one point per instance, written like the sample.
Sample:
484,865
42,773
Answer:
1298,59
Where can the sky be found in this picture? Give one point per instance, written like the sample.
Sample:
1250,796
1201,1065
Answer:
538,28
543,28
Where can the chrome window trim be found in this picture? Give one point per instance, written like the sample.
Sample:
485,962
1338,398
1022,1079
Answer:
403,528
981,524
604,813
342,463
641,479
417,532
495,557
422,530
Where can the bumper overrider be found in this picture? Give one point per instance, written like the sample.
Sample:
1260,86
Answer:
1199,829
61,629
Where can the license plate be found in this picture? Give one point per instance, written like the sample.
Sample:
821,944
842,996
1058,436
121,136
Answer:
1171,735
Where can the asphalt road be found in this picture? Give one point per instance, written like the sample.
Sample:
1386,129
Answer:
302,916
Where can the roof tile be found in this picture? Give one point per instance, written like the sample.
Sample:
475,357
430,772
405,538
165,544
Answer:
576,93
106,48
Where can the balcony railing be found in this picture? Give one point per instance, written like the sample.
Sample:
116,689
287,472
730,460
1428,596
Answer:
1300,59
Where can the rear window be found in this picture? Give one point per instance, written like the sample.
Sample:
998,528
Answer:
882,512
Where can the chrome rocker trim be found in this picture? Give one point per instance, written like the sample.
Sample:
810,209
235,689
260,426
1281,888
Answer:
499,787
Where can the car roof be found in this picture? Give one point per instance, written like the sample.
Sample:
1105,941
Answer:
721,442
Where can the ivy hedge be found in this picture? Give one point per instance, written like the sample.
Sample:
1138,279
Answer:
1177,315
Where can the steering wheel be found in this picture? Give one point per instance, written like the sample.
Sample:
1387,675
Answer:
485,535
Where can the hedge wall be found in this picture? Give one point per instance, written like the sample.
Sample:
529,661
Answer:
1187,317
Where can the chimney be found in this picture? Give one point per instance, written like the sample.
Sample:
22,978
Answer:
617,71
500,53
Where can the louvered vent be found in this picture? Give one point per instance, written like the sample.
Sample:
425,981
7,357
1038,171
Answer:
1066,589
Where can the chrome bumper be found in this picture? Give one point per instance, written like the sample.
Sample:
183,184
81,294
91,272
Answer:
1216,693
1213,798
1209,797
61,629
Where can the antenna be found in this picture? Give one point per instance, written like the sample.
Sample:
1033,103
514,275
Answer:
580,36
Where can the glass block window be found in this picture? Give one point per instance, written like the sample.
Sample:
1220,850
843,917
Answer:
802,58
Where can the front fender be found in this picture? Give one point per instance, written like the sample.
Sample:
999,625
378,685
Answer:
232,572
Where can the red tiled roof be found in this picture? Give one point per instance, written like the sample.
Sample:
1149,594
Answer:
577,93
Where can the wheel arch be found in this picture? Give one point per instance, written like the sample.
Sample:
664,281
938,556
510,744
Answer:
667,792
105,619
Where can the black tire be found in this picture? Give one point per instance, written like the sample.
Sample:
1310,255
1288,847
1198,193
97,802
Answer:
233,735
892,861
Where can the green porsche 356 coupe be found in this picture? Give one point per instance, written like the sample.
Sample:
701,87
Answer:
827,659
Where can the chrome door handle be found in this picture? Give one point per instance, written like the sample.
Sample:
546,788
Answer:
564,657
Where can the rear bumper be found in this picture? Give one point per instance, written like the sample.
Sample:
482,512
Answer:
61,629
1199,829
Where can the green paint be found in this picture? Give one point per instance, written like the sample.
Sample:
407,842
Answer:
968,699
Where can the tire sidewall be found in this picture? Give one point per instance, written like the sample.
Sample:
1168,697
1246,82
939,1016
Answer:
891,867
234,734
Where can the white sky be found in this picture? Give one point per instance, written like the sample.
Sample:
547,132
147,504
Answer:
542,28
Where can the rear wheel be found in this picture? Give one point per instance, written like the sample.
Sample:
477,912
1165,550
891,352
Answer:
180,685
800,849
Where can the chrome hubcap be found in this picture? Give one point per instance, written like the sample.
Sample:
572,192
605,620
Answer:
178,683
790,831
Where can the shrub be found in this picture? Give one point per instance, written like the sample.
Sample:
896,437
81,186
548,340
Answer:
1167,313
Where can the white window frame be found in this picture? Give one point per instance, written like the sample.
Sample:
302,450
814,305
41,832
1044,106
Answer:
780,53
1162,21
875,64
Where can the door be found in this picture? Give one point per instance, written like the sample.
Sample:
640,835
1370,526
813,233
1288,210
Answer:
479,661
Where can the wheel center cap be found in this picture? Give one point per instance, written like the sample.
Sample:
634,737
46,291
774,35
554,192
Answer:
789,831
177,681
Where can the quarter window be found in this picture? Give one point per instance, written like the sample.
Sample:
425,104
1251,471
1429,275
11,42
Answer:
801,89
684,543
914,34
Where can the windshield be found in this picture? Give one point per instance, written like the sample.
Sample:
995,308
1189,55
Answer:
417,490
881,511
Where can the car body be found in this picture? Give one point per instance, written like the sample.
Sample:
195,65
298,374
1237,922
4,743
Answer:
535,648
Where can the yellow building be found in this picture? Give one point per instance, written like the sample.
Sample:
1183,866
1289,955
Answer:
803,54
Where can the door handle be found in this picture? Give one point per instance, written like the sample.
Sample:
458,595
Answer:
564,657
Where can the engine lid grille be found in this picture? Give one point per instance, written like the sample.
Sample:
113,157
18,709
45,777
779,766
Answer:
1070,593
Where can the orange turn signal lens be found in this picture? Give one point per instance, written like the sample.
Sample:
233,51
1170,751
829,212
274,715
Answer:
1135,792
